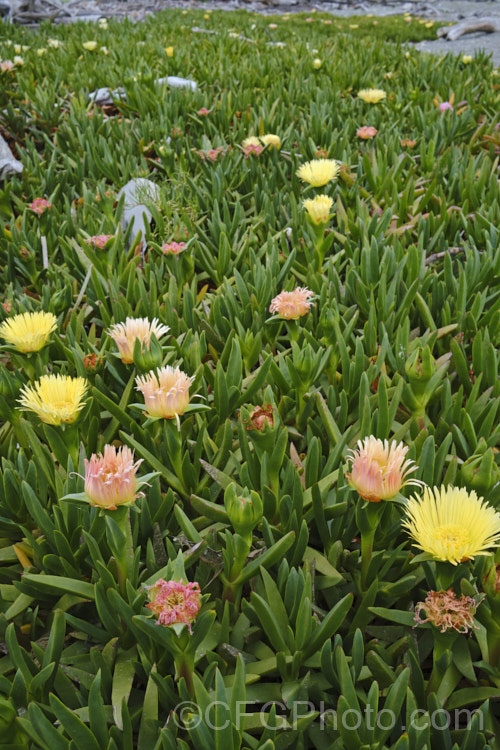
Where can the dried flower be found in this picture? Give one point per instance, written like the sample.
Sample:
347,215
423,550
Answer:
28,332
451,524
379,469
319,171
125,334
366,131
319,208
55,398
260,417
372,96
110,478
166,392
174,602
39,205
292,305
99,240
447,611
173,248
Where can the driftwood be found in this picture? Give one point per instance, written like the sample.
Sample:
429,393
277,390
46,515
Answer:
470,26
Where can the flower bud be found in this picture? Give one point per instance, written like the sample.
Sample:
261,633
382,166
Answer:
420,367
480,472
148,359
244,511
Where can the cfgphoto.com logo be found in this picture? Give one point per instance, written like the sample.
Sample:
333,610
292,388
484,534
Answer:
219,715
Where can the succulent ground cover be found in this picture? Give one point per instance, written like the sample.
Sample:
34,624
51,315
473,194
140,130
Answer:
243,456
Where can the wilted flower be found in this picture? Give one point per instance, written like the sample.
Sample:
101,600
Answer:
451,524
271,140
173,248
39,205
99,240
28,332
260,417
292,305
379,469
166,392
110,478
319,208
372,96
447,611
90,46
55,398
319,171
174,602
125,334
366,131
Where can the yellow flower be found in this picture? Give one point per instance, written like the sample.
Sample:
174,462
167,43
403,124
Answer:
166,392
319,208
451,524
125,334
466,59
90,46
319,171
251,141
292,305
41,51
55,398
169,51
317,63
28,332
429,24
17,49
271,140
379,469
372,96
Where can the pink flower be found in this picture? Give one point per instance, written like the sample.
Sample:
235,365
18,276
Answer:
367,131
39,205
6,65
203,112
173,248
212,154
110,478
379,469
99,240
292,305
445,105
252,149
174,602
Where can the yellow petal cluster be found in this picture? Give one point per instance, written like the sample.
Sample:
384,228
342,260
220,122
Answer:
55,398
28,332
372,96
319,171
319,208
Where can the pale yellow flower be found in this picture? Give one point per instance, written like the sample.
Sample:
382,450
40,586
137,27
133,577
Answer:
166,392
271,140
379,469
90,46
169,51
319,171
28,332
317,63
451,524
372,96
55,43
41,51
125,334
55,398
18,60
251,141
466,59
292,305
319,208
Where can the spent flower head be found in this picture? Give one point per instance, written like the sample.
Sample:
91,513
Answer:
174,602
447,611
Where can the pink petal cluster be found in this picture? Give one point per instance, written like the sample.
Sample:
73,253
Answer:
379,469
203,112
252,149
99,240
367,131
174,602
110,478
39,205
213,154
173,248
292,305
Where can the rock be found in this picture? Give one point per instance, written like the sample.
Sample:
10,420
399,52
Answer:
177,83
106,96
8,164
139,193
470,26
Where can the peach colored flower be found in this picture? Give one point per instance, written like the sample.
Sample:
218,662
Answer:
408,143
448,611
110,478
174,602
166,392
173,248
39,205
125,334
366,131
292,305
99,240
379,469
